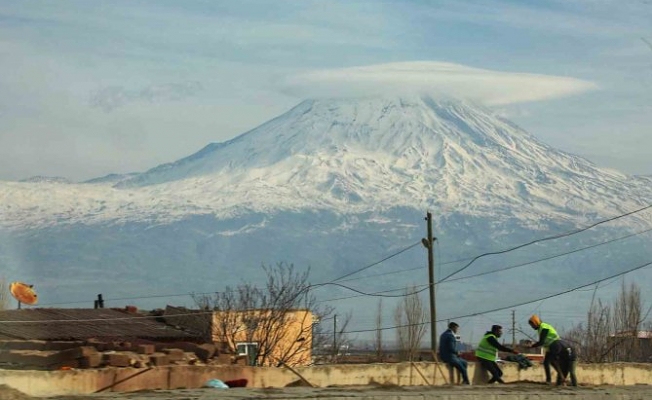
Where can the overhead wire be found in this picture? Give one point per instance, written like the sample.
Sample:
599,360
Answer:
490,272
558,236
509,306
546,258
471,258
364,330
377,262
225,291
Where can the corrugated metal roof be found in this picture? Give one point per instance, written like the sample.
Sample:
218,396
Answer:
79,324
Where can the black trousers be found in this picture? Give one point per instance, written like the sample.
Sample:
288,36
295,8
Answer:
494,370
567,362
552,354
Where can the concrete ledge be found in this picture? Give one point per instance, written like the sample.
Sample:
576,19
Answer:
79,382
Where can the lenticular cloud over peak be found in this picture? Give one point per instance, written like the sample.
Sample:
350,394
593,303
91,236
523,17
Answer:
438,79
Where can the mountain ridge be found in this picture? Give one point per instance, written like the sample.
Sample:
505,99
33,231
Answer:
348,156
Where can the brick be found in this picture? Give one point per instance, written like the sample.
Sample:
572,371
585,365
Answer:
78,352
90,361
117,359
205,351
174,354
158,359
146,349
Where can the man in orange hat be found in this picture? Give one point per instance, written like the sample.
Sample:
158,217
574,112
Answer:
549,339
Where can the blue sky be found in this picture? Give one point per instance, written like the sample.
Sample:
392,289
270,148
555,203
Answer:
91,88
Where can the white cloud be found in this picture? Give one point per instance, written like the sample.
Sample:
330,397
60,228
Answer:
493,88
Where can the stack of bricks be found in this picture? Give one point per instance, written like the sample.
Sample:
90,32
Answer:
94,354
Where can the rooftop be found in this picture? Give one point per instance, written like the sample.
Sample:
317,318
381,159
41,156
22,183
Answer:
80,324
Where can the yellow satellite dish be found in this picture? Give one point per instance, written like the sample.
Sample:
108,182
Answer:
24,293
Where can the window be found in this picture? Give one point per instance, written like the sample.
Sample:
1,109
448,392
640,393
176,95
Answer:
248,349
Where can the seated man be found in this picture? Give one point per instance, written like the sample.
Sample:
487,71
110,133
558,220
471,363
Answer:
449,354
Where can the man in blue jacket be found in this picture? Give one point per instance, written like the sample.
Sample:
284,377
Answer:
449,353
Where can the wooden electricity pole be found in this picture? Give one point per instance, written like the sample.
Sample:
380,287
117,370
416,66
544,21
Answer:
513,328
335,349
428,242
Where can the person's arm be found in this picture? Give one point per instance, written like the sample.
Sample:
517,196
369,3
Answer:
492,341
542,338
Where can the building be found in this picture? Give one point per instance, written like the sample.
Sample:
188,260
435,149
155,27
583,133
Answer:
267,337
631,346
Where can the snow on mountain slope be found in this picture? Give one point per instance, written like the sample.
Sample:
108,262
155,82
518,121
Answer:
350,156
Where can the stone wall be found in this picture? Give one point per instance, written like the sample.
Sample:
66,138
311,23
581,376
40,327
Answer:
85,381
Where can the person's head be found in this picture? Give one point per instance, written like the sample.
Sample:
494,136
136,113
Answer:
497,330
534,322
453,327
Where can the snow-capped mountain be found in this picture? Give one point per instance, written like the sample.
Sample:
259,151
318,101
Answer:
349,156
331,184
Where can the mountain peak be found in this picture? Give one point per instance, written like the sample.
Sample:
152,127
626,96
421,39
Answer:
406,128
354,155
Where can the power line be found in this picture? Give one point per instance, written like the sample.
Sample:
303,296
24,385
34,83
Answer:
356,331
226,291
488,272
136,298
377,262
373,293
546,239
547,258
510,306
498,270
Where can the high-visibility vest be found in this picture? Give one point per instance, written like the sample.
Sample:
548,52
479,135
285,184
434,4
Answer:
552,334
485,350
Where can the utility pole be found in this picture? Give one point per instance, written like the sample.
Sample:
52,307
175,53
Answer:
428,242
513,328
335,349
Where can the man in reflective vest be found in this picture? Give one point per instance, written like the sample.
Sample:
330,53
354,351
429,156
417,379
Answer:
549,339
487,353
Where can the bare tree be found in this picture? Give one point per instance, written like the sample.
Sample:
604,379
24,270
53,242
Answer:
275,320
611,331
410,317
628,310
378,338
